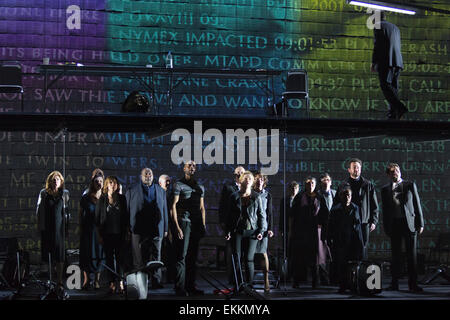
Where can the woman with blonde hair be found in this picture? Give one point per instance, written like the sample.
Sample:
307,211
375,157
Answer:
246,220
112,226
52,217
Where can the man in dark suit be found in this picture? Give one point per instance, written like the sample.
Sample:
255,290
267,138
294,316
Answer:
387,60
402,220
365,197
225,196
325,189
328,273
147,207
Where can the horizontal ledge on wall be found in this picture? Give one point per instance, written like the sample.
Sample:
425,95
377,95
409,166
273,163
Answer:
159,125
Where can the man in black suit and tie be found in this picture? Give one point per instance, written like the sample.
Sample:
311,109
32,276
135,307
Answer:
325,189
387,60
147,207
403,220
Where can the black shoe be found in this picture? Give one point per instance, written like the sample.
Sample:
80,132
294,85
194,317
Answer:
391,115
181,293
295,286
195,292
401,112
392,287
341,291
156,286
86,286
415,288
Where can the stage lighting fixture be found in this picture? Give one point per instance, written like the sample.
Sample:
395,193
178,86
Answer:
385,6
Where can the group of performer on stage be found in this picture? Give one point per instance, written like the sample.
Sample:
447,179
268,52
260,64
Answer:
122,231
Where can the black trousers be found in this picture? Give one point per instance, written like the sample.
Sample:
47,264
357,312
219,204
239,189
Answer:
112,245
247,241
145,249
400,233
186,252
365,228
388,77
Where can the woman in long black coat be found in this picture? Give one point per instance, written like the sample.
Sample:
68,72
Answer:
345,235
52,223
260,184
308,220
91,252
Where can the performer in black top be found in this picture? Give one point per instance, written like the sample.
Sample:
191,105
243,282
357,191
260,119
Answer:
113,229
91,252
228,189
52,221
308,220
345,235
365,197
188,217
246,219
260,184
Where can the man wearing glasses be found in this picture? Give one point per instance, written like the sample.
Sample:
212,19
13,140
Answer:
403,221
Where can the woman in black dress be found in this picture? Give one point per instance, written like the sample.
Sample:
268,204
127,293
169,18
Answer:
246,220
112,225
309,217
266,199
91,252
52,217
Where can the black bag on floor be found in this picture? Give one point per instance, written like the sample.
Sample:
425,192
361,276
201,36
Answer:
365,277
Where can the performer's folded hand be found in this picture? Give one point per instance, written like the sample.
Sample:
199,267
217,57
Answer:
259,236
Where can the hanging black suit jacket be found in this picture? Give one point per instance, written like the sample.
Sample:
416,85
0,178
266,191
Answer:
387,46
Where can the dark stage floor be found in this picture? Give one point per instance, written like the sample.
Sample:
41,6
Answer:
438,289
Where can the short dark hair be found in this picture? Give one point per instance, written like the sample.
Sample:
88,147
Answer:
344,189
324,175
258,174
382,15
354,160
390,166
293,184
309,178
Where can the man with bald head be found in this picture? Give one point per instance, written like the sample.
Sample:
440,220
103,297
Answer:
147,207
228,189
188,217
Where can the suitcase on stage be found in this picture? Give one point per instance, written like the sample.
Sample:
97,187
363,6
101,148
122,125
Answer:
137,286
365,277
